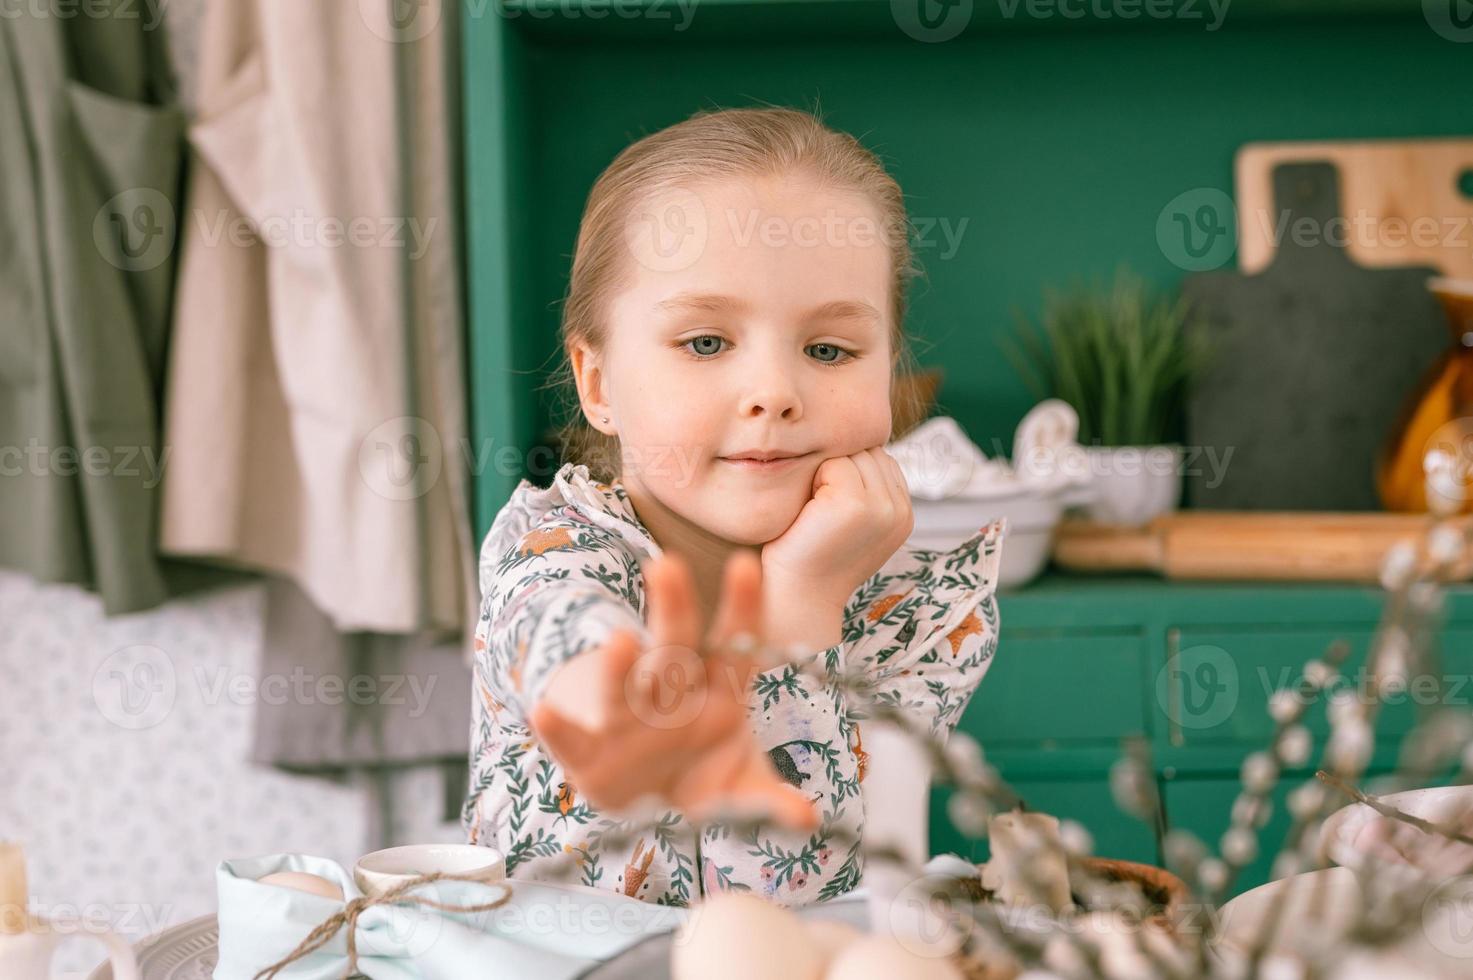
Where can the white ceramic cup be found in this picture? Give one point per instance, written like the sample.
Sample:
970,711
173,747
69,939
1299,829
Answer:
379,871
27,955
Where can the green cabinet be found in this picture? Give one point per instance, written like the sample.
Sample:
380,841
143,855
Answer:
1218,682
1075,665
1084,663
1202,805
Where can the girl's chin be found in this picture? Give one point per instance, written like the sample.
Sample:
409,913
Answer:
757,533
747,541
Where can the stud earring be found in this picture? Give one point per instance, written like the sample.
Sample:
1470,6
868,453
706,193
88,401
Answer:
606,420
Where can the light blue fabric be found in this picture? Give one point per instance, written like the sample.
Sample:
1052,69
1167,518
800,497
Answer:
546,931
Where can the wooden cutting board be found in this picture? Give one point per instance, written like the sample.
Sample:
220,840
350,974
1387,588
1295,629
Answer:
1379,180
1204,544
1311,360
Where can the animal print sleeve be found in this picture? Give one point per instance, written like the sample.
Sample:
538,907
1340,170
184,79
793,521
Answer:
926,628
565,587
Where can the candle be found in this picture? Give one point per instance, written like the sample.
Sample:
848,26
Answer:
13,891
1028,862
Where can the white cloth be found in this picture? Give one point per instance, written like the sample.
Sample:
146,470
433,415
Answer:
314,411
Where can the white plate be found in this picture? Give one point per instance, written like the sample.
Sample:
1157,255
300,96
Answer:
188,951
1341,828
1334,891
191,950
1325,905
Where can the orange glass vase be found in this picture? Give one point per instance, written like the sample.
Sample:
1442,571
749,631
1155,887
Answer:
1437,421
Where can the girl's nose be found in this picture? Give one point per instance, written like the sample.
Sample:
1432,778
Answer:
775,395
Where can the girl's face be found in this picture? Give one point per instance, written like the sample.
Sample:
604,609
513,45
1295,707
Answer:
757,319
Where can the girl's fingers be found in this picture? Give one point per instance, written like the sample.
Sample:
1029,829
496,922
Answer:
734,647
759,785
791,808
787,804
841,473
875,482
623,692
888,482
674,617
880,490
885,477
904,509
897,478
570,743
740,610
778,802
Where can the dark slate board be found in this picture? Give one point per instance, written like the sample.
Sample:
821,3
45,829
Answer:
1314,357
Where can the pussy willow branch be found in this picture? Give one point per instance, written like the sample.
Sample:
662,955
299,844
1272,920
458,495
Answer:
1305,692
1428,569
1386,810
986,784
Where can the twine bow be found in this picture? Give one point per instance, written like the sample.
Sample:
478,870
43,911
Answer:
323,934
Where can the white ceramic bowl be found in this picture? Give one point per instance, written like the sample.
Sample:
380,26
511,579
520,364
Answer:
1032,519
1323,907
1334,891
1134,484
1341,837
379,871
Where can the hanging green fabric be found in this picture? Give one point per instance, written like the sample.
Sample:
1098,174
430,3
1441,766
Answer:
90,149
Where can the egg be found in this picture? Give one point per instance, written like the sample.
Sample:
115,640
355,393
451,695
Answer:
304,882
736,936
830,937
883,958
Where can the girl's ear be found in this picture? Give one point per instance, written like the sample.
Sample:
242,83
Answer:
588,375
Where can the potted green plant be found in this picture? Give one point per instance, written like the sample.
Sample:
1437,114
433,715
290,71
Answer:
1122,356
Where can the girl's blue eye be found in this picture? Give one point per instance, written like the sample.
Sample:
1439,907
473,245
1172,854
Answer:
837,351
697,341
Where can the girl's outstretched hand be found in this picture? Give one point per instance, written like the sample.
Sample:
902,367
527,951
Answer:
675,720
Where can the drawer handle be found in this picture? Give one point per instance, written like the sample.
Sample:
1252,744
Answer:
1173,687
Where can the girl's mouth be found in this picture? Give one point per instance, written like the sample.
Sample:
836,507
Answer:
764,466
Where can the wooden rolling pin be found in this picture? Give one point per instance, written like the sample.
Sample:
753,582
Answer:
1207,544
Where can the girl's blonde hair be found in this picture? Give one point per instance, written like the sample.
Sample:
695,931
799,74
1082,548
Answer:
715,144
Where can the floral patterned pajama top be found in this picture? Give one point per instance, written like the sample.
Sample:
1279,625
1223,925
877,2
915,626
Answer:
559,571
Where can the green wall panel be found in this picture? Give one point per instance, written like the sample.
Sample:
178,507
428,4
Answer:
1052,152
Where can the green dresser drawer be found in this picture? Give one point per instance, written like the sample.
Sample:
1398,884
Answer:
1204,806
1060,688
1454,653
1216,683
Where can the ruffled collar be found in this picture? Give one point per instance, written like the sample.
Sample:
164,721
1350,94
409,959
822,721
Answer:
606,505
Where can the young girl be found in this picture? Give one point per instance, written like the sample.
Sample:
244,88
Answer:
733,329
